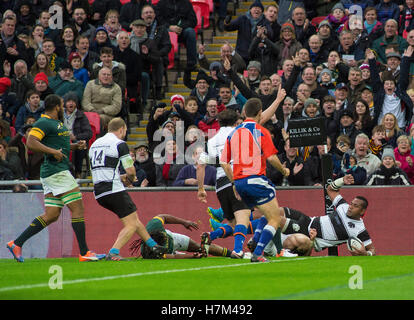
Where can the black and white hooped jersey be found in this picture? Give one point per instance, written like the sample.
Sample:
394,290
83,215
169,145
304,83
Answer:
336,228
105,156
215,146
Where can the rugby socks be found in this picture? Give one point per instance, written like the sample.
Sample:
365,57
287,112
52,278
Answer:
114,251
277,240
240,232
267,235
222,232
37,225
150,243
226,253
78,226
259,228
252,226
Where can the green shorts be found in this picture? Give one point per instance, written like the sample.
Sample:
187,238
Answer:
59,183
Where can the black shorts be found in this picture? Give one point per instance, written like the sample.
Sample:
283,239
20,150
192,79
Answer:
119,203
299,222
229,203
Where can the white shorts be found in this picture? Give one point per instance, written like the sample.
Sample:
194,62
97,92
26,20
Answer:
59,183
181,241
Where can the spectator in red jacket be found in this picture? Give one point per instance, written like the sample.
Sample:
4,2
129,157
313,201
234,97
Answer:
209,124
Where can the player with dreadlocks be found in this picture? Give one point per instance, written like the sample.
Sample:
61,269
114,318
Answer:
174,241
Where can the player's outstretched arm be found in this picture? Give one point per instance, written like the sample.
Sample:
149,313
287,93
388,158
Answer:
170,219
334,186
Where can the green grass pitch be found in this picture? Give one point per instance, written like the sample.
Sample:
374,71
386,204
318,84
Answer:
310,278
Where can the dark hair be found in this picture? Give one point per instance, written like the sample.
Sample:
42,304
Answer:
30,93
252,107
51,101
160,237
107,50
227,118
364,201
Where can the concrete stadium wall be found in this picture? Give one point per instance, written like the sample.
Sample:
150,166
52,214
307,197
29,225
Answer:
389,220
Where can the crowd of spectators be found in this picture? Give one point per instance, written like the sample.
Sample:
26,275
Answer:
349,62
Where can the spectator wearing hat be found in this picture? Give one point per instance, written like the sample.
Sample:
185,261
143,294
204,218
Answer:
218,78
80,22
144,161
118,68
178,16
103,96
101,40
41,85
366,73
346,126
11,47
64,81
252,80
226,52
150,56
133,65
247,26
341,98
388,174
338,17
202,91
79,127
328,36
8,100
325,80
265,51
393,64
79,71
303,27
392,97
33,107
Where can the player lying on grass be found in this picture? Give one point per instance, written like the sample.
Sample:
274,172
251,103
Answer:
290,246
175,241
296,243
335,228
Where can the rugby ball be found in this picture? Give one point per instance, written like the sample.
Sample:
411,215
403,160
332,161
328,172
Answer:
354,243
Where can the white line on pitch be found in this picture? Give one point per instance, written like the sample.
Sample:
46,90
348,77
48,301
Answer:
131,275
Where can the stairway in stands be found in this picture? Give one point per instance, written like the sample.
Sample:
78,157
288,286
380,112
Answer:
176,85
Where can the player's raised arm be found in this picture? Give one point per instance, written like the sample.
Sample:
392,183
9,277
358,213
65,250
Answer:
334,186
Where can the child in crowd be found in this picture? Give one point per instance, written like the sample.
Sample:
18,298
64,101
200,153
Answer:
79,72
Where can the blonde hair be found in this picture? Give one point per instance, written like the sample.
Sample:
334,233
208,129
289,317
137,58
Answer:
396,127
115,124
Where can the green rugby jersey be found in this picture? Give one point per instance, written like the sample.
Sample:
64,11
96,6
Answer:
157,224
53,134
